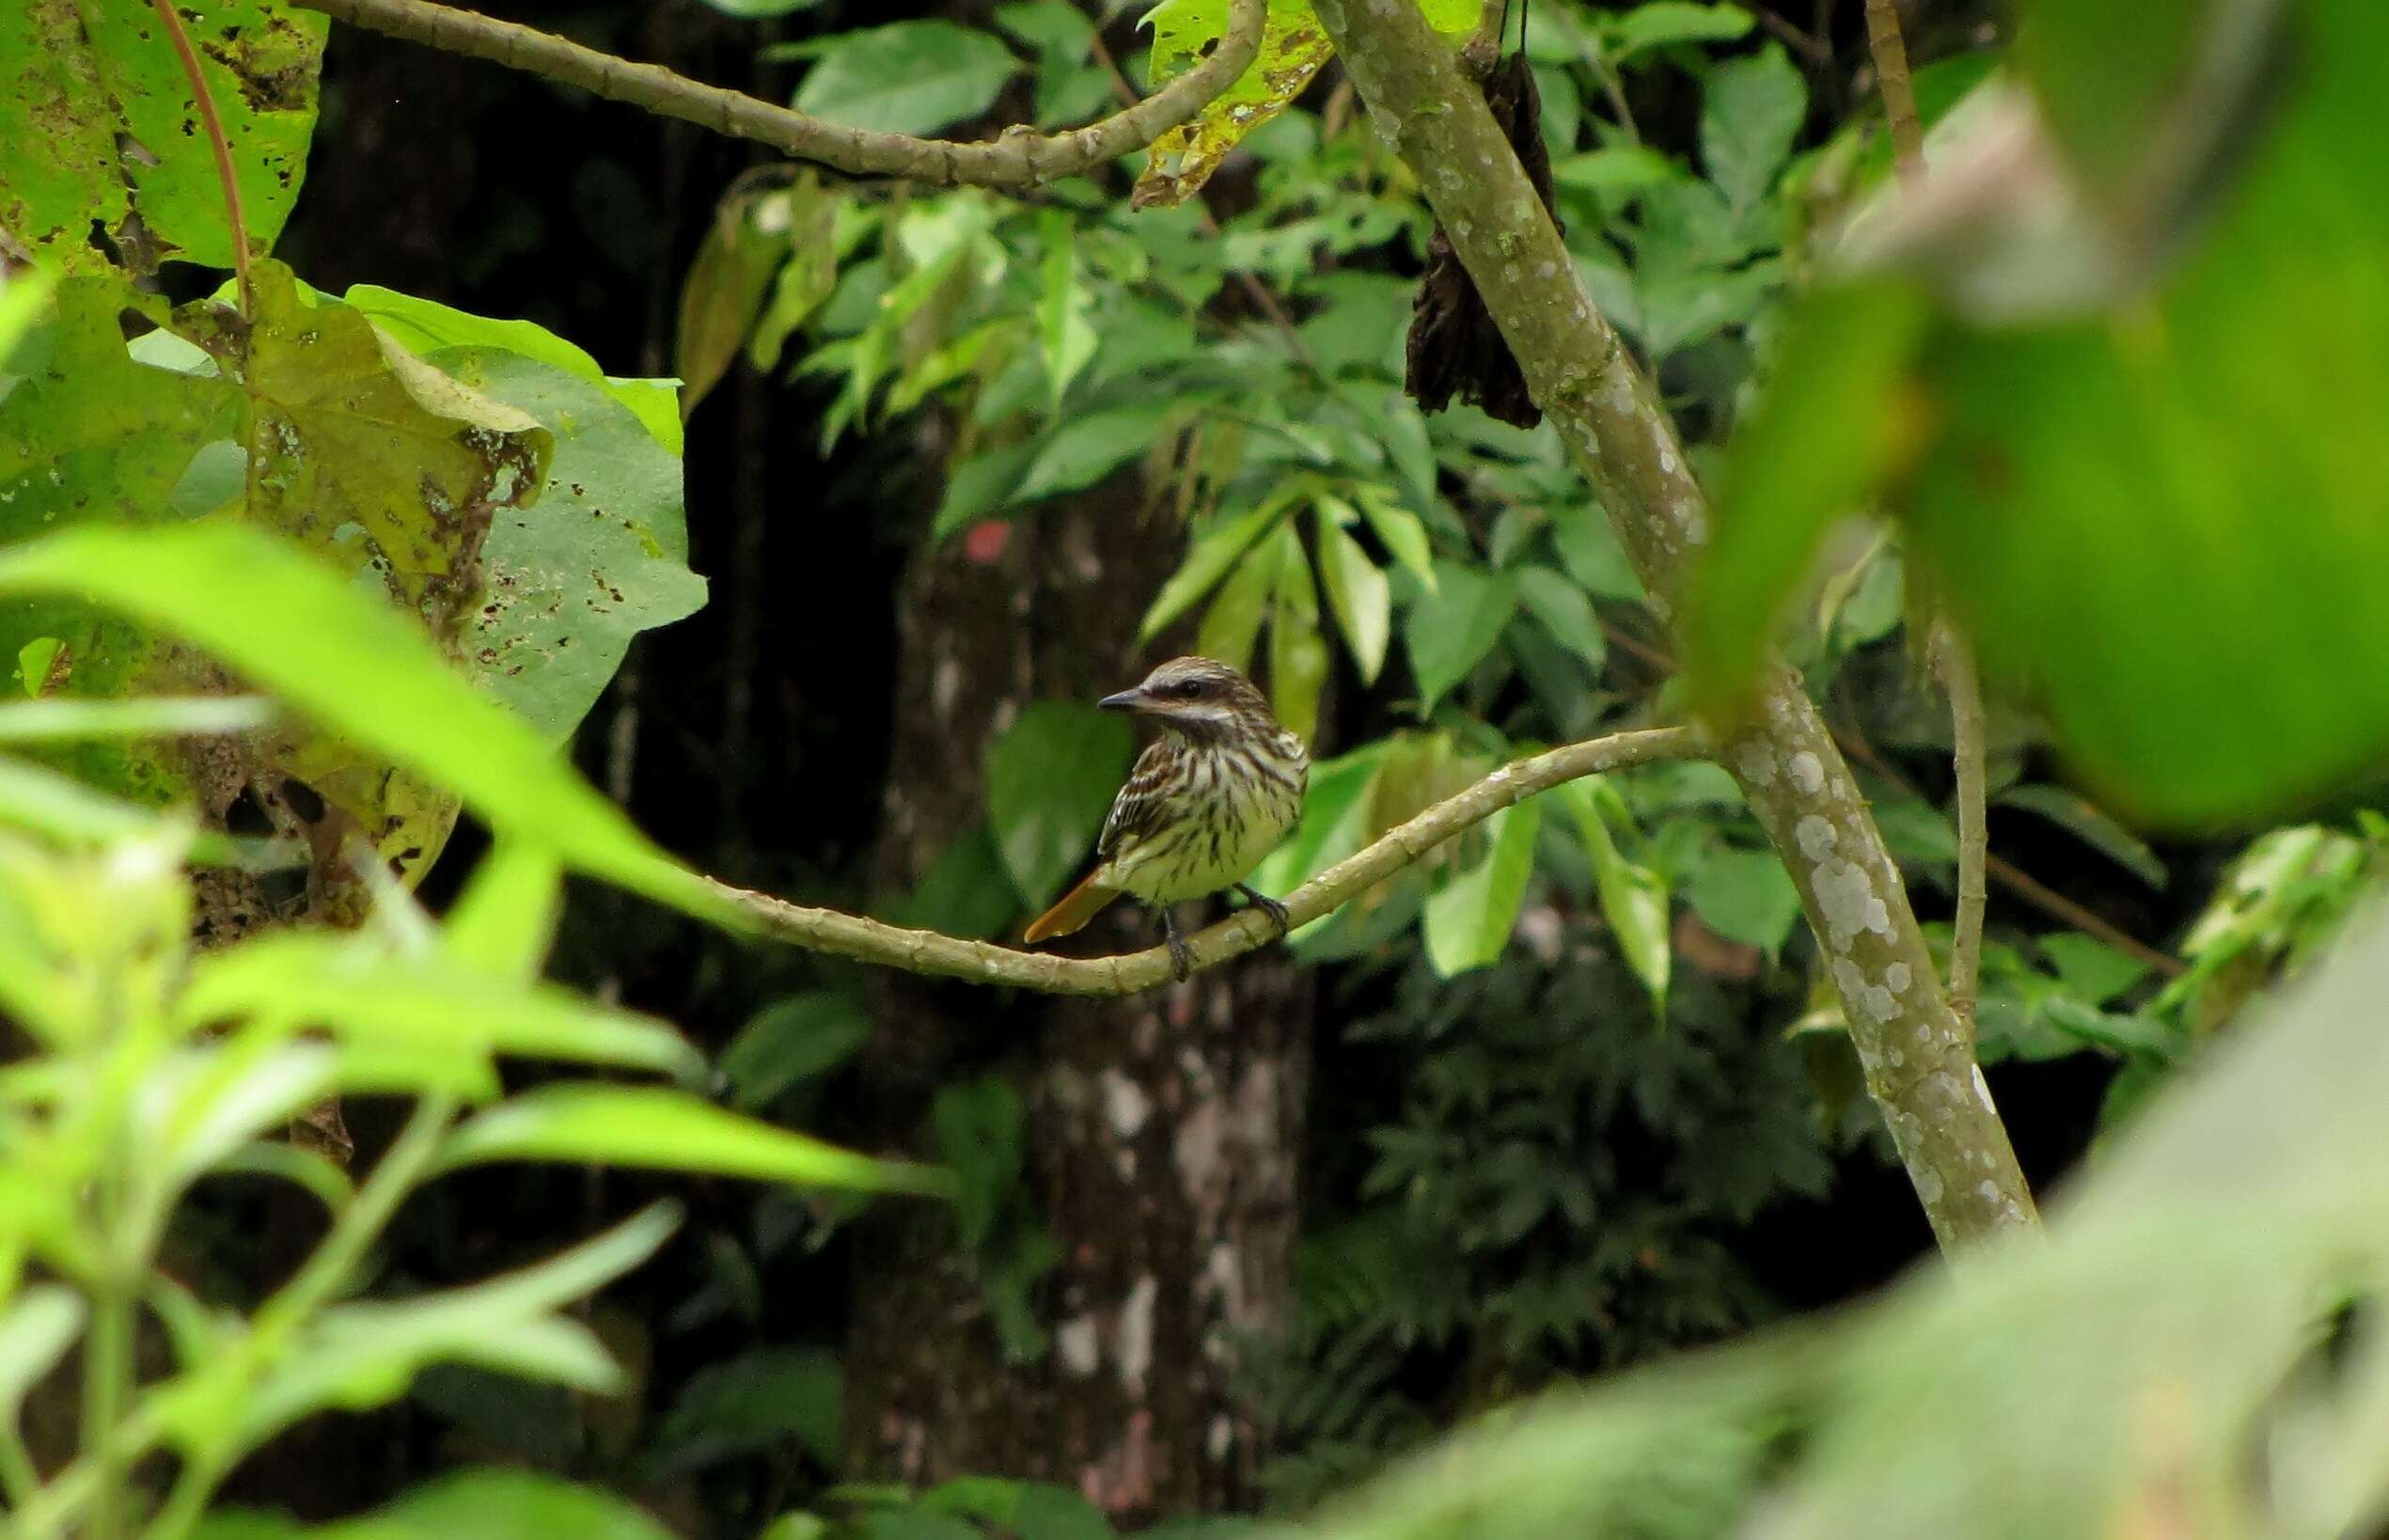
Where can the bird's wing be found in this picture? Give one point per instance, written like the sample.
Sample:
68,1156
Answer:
1140,806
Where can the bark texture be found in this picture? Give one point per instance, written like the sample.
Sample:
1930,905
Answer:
1918,1057
1162,1130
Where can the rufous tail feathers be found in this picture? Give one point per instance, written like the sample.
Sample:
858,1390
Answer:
1077,906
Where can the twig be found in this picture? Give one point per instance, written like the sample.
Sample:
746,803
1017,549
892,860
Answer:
205,100
1956,663
2021,882
1017,159
1899,92
980,961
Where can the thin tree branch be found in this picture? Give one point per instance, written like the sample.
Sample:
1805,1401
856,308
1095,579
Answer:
1899,92
1017,159
1955,660
981,961
1918,1058
205,100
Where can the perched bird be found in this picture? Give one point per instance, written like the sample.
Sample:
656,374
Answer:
1210,797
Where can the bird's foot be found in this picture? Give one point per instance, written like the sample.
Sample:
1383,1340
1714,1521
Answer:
1269,906
1181,955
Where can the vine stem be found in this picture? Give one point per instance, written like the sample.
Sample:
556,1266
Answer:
1015,160
1890,49
1955,660
205,100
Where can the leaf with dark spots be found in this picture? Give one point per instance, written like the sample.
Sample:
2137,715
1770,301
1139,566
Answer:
98,124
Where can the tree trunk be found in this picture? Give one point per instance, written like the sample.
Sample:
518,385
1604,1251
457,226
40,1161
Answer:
1161,1130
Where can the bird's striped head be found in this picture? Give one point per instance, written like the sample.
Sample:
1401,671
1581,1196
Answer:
1198,698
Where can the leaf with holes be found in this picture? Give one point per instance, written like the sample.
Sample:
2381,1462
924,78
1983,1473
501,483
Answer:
98,121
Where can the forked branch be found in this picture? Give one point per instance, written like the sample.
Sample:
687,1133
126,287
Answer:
981,961
1017,159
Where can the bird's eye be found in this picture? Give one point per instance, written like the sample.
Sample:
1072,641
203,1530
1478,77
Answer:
1191,689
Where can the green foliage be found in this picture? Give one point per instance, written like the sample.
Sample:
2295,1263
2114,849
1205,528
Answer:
100,125
1497,1237
906,77
469,1505
2232,395
1050,780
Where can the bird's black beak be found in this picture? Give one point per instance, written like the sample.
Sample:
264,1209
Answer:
1134,699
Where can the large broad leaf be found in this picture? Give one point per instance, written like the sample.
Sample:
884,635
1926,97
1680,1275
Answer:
907,77
290,626
96,114
1449,630
1293,47
1050,780
1749,113
2165,524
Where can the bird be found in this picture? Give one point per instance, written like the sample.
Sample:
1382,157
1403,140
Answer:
1206,802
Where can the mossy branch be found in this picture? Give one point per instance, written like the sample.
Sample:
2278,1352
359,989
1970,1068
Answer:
1015,160
981,961
1918,1056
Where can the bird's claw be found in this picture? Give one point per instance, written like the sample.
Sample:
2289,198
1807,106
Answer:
1269,906
1181,958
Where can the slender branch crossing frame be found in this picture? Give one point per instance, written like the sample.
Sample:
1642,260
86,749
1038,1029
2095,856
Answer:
1917,1053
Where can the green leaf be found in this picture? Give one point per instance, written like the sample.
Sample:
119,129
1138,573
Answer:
346,660
424,327
2096,828
1633,899
1468,919
754,1400
1020,1507
2090,967
98,122
1448,631
1560,609
1833,421
978,486
1662,23
1293,47
722,292
505,920
1050,780
44,721
1745,896
1090,446
1208,561
1236,610
809,275
1336,822
979,1128
1615,169
1751,111
792,1041
23,299
1062,305
908,77
1404,533
349,985
602,557
1298,653
1361,596
657,1129
40,1325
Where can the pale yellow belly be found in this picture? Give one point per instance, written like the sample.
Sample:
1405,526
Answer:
1210,848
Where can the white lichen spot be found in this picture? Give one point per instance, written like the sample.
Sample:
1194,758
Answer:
1808,773
1816,836
1848,901
1075,1338
1899,978
1220,1438
1756,767
1982,1091
1928,1187
1989,1190
1125,1106
1132,1340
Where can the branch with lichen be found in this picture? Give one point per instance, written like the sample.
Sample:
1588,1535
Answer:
981,961
1918,1056
1016,158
